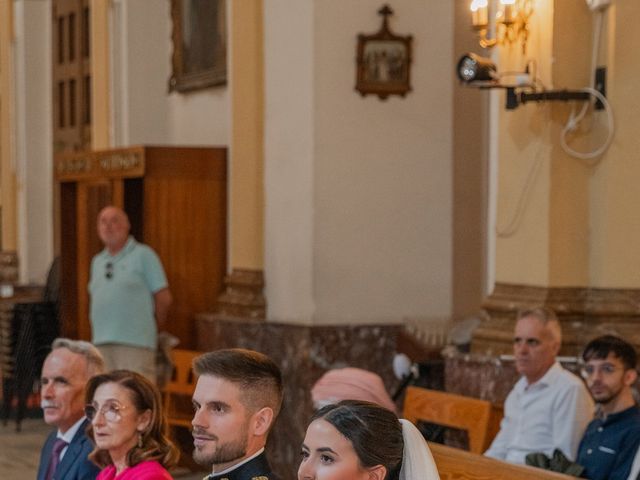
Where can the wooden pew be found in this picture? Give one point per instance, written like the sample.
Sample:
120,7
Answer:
456,464
180,387
477,417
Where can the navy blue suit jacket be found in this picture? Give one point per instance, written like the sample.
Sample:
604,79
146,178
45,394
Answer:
74,465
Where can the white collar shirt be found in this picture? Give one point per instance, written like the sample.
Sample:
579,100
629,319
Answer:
68,435
548,414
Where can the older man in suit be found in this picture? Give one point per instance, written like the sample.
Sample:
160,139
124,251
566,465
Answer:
65,373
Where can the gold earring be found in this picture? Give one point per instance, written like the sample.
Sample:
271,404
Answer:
140,443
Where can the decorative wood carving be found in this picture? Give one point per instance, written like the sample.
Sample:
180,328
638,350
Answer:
104,164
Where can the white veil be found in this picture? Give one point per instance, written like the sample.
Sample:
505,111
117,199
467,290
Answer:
417,461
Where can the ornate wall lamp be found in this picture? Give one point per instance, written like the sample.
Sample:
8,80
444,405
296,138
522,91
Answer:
501,22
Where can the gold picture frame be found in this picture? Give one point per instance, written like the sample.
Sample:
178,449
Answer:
199,37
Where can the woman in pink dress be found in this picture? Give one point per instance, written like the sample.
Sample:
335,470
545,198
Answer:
128,428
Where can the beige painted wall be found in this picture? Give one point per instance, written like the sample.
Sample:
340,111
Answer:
615,216
143,110
246,206
522,154
289,158
470,179
359,191
580,225
101,93
25,135
7,126
33,139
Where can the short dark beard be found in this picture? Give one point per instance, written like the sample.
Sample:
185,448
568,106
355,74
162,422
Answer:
610,398
224,452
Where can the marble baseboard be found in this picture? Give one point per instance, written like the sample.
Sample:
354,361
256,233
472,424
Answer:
303,353
584,313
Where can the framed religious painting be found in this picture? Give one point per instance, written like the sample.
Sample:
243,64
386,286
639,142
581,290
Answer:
199,44
384,61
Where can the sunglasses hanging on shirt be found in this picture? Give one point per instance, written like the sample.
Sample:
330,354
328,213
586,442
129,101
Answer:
108,273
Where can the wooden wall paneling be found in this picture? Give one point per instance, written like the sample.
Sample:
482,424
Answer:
71,66
68,251
117,193
185,222
176,201
133,199
91,198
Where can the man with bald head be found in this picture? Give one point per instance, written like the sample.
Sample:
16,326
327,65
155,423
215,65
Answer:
129,296
549,407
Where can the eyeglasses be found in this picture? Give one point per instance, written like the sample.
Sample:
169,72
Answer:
108,271
110,411
605,369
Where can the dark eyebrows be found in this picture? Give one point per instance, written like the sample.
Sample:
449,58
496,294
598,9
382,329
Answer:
217,403
325,449
321,449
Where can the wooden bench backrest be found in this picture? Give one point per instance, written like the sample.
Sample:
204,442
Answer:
456,464
182,383
469,414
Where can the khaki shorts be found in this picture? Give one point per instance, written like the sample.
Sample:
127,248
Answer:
127,357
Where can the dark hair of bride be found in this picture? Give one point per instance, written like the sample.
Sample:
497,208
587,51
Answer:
374,432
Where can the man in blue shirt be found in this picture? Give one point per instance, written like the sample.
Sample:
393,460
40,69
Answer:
130,297
612,438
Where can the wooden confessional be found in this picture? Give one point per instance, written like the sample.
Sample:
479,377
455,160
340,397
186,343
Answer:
176,201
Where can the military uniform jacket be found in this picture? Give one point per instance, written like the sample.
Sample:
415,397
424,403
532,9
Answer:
255,469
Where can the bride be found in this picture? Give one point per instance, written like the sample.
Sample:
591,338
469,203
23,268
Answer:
354,440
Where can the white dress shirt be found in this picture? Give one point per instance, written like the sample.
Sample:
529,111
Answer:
548,414
68,435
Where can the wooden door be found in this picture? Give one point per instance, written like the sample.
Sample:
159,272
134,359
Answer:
81,203
176,201
184,212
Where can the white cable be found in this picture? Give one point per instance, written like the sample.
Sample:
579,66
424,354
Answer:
597,28
574,120
572,125
513,224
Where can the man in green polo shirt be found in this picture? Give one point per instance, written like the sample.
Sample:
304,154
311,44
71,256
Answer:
130,296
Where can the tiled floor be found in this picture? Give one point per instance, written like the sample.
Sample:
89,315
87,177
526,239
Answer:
20,452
